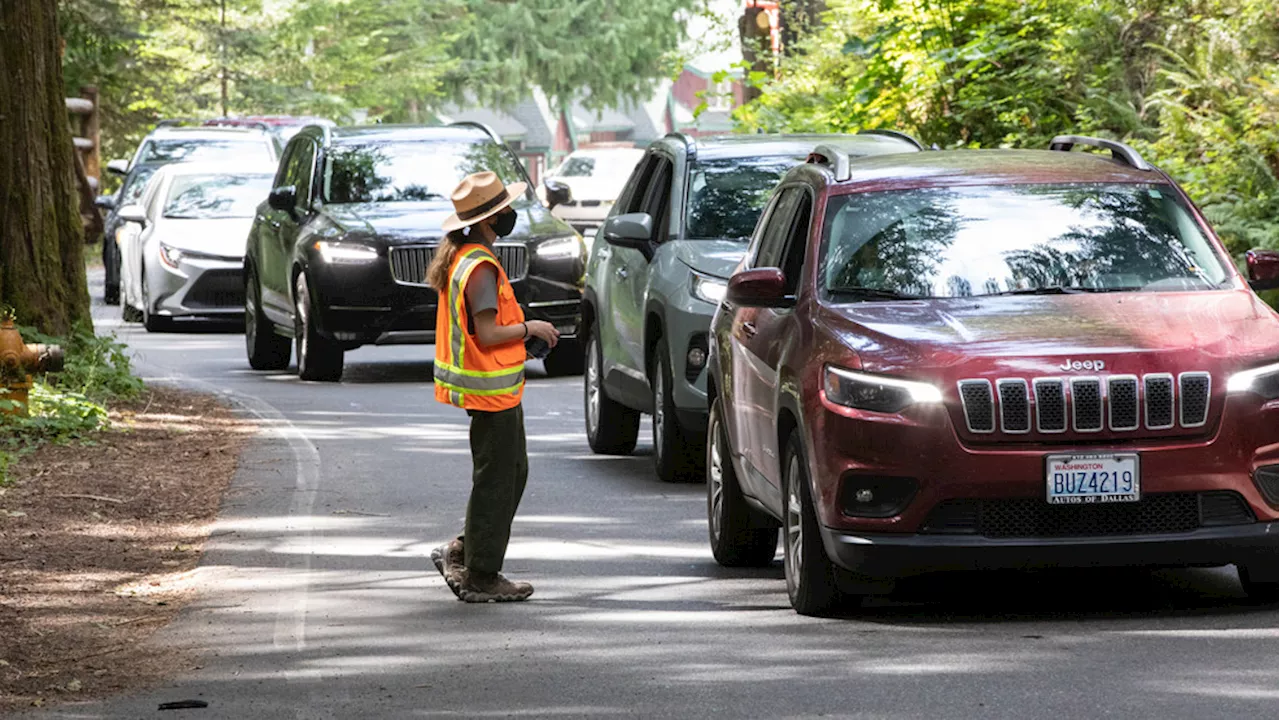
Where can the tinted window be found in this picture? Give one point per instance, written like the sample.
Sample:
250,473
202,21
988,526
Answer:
960,242
727,195
798,242
216,196
137,183
409,171
776,230
298,170
170,151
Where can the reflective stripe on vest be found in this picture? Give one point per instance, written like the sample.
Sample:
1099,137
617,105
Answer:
452,375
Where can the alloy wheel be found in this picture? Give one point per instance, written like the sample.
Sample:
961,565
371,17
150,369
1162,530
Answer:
659,416
250,314
593,387
301,302
795,525
715,475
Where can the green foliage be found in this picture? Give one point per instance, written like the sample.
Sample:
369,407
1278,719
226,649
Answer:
1191,84
97,366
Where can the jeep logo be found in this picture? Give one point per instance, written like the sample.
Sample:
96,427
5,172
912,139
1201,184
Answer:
1069,364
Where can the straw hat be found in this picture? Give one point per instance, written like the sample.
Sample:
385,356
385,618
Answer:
478,196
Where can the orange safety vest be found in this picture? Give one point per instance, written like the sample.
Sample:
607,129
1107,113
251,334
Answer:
467,375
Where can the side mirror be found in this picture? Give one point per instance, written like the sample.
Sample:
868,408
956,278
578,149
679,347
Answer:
558,193
118,167
762,287
1264,269
106,202
132,213
284,198
631,230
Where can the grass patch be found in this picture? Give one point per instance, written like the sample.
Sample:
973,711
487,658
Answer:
69,406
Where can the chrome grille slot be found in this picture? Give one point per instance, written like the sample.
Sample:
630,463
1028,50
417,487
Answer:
409,263
1122,402
1193,398
1086,404
1015,408
514,259
979,410
1051,406
1157,391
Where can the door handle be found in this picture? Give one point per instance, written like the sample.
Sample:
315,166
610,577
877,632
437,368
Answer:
749,329
621,273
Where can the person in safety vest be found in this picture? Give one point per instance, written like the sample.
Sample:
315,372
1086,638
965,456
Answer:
479,367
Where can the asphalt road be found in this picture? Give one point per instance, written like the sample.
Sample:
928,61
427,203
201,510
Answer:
320,600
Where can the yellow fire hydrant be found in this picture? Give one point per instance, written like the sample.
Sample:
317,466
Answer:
18,361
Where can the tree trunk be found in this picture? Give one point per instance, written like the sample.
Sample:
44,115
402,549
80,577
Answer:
41,239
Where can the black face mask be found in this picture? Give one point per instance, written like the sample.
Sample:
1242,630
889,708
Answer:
504,222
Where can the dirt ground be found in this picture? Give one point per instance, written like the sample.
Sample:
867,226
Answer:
98,546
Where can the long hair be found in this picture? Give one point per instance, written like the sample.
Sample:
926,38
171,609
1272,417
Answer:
438,271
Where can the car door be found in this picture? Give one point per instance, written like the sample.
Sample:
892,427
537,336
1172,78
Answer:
281,230
752,384
625,285
774,328
134,238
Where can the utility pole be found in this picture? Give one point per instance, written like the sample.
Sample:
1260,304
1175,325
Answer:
222,53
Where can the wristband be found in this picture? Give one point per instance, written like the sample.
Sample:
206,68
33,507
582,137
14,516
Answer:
526,329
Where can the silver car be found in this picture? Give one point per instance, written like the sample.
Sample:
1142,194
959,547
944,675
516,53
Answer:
182,248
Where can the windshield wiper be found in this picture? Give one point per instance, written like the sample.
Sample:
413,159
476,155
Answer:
873,294
1049,290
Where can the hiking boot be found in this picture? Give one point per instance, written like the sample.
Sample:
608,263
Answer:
448,559
492,587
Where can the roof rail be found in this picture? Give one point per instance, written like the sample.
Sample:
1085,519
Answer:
690,143
178,122
832,157
236,123
1119,151
479,126
894,134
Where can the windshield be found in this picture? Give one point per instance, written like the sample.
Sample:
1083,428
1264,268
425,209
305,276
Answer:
727,195
136,184
189,150
215,196
408,171
601,164
972,241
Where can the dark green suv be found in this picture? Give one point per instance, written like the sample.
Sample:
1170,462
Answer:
658,270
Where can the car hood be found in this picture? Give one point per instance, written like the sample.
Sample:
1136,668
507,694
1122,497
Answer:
224,237
711,257
403,223
1020,336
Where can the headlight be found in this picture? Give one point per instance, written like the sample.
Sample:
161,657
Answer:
875,392
170,256
339,252
705,287
1261,380
561,248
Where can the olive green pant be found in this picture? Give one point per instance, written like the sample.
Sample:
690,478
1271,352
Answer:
500,467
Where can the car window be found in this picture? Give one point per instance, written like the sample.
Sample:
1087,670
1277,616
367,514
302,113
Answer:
797,242
985,240
411,170
632,199
576,166
777,229
726,195
215,196
658,199
250,147
136,185
298,171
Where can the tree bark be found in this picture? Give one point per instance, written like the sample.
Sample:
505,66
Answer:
42,273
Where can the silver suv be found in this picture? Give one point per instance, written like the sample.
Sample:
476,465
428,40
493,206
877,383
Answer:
657,272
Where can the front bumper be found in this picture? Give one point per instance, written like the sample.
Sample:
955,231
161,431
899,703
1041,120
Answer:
688,325
198,287
894,555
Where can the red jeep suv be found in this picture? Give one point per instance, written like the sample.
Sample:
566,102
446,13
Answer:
990,359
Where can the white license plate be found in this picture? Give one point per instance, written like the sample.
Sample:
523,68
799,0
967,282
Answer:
1079,479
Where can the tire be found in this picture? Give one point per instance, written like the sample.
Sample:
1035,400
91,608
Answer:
266,349
677,457
111,263
1259,591
612,428
129,313
152,322
319,358
740,536
567,359
811,576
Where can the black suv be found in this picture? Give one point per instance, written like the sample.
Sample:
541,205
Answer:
337,255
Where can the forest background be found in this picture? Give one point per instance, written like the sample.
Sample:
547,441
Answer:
1191,83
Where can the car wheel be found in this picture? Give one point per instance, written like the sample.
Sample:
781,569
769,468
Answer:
319,358
151,321
111,262
128,312
612,428
266,349
1259,591
566,359
811,576
740,536
676,456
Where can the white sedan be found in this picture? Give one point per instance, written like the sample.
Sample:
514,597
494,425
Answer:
594,179
182,245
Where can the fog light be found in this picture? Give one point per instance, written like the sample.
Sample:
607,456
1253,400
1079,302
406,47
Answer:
1265,477
875,496
697,358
